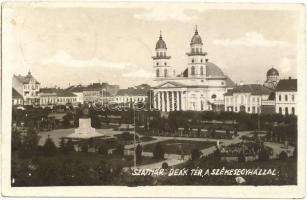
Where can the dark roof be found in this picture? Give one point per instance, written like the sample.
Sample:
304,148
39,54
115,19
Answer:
47,90
287,85
16,94
132,92
57,91
272,72
213,70
196,39
26,79
64,93
160,43
254,89
229,82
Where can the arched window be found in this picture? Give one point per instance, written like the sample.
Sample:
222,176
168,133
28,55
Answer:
201,70
157,73
165,72
192,70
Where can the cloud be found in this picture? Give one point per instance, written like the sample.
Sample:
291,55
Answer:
167,13
64,59
286,65
140,73
251,39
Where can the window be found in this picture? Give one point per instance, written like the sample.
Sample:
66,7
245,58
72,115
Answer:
196,50
286,97
286,111
201,70
279,97
253,109
213,96
165,63
157,73
192,60
293,111
157,64
248,109
192,50
292,97
165,72
201,60
192,70
222,83
164,54
157,54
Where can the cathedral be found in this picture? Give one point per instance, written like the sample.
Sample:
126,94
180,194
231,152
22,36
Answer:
200,87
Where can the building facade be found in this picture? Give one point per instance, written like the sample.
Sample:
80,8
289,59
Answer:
286,96
55,96
201,86
249,98
28,87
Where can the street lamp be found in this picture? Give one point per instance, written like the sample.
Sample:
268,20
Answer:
134,147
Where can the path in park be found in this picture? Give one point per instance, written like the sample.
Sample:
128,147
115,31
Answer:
175,159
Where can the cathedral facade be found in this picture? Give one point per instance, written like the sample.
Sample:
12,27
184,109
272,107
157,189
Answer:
200,87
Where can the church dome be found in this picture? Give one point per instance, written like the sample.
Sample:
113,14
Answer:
272,72
161,44
213,70
196,39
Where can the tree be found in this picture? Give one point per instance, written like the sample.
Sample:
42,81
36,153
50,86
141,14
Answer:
62,145
16,140
69,147
119,150
30,142
283,156
241,157
138,152
158,152
102,149
49,148
164,165
195,155
263,154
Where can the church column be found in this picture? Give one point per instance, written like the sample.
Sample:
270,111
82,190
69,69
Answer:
167,101
158,102
162,101
177,100
173,100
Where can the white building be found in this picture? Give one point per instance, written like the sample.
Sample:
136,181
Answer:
54,96
28,87
130,96
201,86
248,98
286,96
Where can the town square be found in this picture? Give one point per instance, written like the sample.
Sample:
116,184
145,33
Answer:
177,103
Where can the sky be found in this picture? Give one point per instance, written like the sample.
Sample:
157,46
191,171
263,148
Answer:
113,43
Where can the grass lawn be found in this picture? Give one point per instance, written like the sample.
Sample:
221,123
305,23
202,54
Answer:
174,146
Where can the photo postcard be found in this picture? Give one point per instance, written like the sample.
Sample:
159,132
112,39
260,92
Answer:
153,99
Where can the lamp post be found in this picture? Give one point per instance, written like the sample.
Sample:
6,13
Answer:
134,147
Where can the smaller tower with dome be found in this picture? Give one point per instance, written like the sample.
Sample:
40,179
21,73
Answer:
196,57
272,76
161,60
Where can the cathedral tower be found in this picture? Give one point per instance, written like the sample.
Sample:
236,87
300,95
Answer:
196,57
161,60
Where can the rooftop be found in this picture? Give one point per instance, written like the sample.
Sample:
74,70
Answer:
287,85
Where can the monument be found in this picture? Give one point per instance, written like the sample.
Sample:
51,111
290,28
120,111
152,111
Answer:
85,130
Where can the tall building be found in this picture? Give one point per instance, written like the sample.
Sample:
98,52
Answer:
28,87
201,86
286,96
